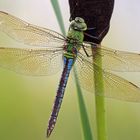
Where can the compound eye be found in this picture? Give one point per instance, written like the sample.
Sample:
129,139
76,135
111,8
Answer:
79,19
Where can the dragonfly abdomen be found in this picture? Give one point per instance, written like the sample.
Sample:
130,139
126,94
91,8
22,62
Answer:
68,62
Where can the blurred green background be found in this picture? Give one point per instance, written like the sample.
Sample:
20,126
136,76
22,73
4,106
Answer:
26,102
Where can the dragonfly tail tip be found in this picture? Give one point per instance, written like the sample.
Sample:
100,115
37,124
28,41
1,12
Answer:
49,131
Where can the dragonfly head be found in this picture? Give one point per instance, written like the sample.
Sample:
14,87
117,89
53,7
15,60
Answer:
78,24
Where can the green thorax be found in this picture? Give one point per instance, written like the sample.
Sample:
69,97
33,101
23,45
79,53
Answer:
75,37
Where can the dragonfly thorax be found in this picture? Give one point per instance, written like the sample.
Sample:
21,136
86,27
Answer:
75,37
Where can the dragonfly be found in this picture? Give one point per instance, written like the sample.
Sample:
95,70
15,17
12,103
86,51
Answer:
49,51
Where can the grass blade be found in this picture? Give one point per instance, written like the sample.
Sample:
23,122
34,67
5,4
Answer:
59,17
83,113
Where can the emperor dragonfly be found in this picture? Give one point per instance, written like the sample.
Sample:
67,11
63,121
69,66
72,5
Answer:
52,50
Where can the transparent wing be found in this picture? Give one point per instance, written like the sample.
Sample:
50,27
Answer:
29,34
113,59
35,62
114,86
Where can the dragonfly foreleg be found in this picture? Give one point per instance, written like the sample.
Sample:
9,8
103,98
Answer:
85,51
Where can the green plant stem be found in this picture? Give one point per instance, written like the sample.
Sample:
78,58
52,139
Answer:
83,113
57,10
99,100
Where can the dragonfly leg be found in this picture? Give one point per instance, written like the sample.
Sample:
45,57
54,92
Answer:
85,51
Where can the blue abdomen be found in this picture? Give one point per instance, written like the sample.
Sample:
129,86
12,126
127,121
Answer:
68,63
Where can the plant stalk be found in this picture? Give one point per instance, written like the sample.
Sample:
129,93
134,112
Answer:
83,113
58,14
99,100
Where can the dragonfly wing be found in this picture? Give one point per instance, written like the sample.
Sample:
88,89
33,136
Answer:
114,86
84,73
35,62
29,34
113,59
